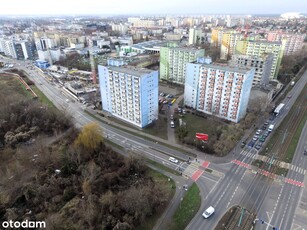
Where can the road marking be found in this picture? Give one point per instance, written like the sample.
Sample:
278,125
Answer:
206,164
197,174
269,174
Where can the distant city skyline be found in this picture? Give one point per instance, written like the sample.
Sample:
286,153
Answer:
157,7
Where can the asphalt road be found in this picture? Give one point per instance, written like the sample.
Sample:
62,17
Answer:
220,192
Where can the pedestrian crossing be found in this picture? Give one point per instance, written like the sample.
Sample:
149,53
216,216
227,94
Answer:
249,154
269,174
196,169
298,169
274,162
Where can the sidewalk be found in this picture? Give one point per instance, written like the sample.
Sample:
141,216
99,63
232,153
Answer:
199,154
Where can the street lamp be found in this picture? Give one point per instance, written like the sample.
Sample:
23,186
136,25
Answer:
264,222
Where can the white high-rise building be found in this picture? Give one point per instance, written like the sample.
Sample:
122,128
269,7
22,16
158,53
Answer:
222,91
195,36
130,93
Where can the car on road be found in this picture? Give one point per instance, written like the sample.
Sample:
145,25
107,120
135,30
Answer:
209,211
172,117
174,160
289,96
266,133
262,138
258,132
305,152
258,146
251,144
172,124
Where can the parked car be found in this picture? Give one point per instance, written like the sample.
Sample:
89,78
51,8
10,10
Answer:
305,152
172,117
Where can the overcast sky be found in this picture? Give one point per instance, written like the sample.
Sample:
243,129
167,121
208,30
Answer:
102,7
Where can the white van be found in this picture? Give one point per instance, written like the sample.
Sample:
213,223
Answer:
209,211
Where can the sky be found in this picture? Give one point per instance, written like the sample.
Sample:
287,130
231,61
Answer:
156,7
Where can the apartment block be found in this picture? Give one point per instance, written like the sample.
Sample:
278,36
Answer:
293,42
18,49
221,91
195,36
229,42
257,48
262,65
173,62
130,93
216,36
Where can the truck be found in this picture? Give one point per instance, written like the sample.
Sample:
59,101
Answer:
271,127
279,108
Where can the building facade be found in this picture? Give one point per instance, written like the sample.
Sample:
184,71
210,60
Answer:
229,42
130,93
257,48
21,50
173,62
221,91
293,42
262,65
195,36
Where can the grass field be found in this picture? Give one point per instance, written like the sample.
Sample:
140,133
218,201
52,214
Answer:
196,124
42,98
189,206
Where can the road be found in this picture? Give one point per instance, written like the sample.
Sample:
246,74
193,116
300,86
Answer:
241,186
222,190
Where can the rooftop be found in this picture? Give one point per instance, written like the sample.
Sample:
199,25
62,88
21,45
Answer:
226,67
131,70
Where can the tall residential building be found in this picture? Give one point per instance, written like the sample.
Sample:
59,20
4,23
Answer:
173,62
8,47
216,36
257,48
293,42
21,50
122,28
222,91
130,93
195,36
51,55
229,42
262,65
